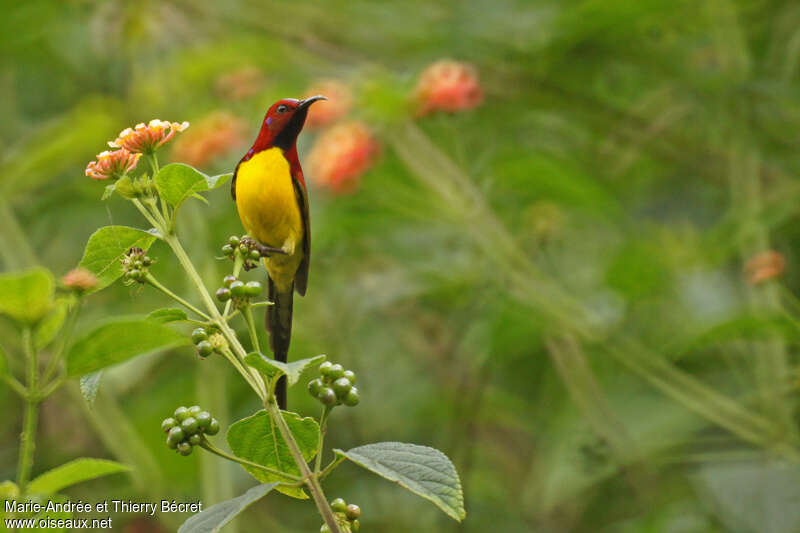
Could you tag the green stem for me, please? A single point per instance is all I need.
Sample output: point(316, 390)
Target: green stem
point(251, 327)
point(146, 214)
point(206, 445)
point(328, 469)
point(323, 428)
point(155, 283)
point(15, 385)
point(237, 268)
point(69, 329)
point(28, 437)
point(309, 477)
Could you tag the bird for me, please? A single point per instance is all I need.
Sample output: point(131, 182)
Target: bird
point(270, 193)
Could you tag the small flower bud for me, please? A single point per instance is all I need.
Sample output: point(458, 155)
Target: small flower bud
point(79, 280)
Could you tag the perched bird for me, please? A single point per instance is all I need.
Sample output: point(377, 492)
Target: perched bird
point(271, 197)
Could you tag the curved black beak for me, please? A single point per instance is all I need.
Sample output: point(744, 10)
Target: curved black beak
point(310, 100)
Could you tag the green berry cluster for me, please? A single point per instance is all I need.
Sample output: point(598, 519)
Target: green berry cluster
point(335, 387)
point(187, 427)
point(240, 291)
point(246, 248)
point(208, 342)
point(346, 514)
point(135, 266)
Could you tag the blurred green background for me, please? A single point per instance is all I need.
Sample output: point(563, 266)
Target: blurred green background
point(550, 287)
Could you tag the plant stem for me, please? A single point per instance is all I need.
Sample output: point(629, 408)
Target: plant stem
point(237, 267)
point(146, 214)
point(323, 428)
point(28, 437)
point(14, 383)
point(328, 469)
point(251, 327)
point(206, 445)
point(155, 283)
point(69, 329)
point(309, 477)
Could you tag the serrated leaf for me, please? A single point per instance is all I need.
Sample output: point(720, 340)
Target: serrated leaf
point(271, 367)
point(256, 439)
point(105, 249)
point(50, 325)
point(118, 341)
point(90, 383)
point(26, 296)
point(167, 315)
point(72, 473)
point(177, 181)
point(215, 517)
point(425, 471)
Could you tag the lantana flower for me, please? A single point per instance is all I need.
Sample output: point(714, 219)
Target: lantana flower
point(448, 85)
point(764, 266)
point(213, 136)
point(338, 104)
point(146, 139)
point(341, 155)
point(79, 280)
point(113, 165)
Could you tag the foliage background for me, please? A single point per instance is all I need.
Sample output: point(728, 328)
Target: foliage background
point(559, 304)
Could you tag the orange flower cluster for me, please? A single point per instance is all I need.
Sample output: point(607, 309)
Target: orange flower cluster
point(338, 104)
point(112, 165)
point(341, 155)
point(146, 139)
point(448, 86)
point(763, 267)
point(79, 279)
point(213, 136)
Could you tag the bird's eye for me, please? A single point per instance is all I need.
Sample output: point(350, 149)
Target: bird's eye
point(282, 108)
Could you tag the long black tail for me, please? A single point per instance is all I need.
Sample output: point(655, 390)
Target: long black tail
point(279, 325)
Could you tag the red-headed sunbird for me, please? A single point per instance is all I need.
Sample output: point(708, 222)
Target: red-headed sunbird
point(270, 194)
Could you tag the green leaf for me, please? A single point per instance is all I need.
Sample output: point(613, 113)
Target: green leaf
point(8, 490)
point(49, 327)
point(3, 362)
point(425, 471)
point(118, 341)
point(215, 517)
point(27, 296)
point(176, 182)
point(271, 367)
point(218, 180)
point(167, 315)
point(72, 473)
point(89, 385)
point(105, 249)
point(256, 439)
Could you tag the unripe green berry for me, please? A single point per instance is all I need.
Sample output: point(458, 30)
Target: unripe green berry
point(181, 413)
point(168, 424)
point(195, 410)
point(227, 280)
point(327, 396)
point(146, 261)
point(204, 348)
point(233, 240)
point(352, 512)
point(189, 426)
point(227, 249)
point(255, 255)
point(352, 398)
point(195, 439)
point(184, 448)
point(324, 529)
point(175, 436)
point(203, 419)
point(253, 288)
point(355, 525)
point(314, 387)
point(223, 294)
point(134, 274)
point(335, 371)
point(350, 375)
point(338, 505)
point(213, 427)
point(238, 288)
point(244, 248)
point(325, 367)
point(199, 334)
point(341, 387)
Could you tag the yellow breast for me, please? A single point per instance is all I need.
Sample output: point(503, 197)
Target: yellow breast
point(265, 198)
